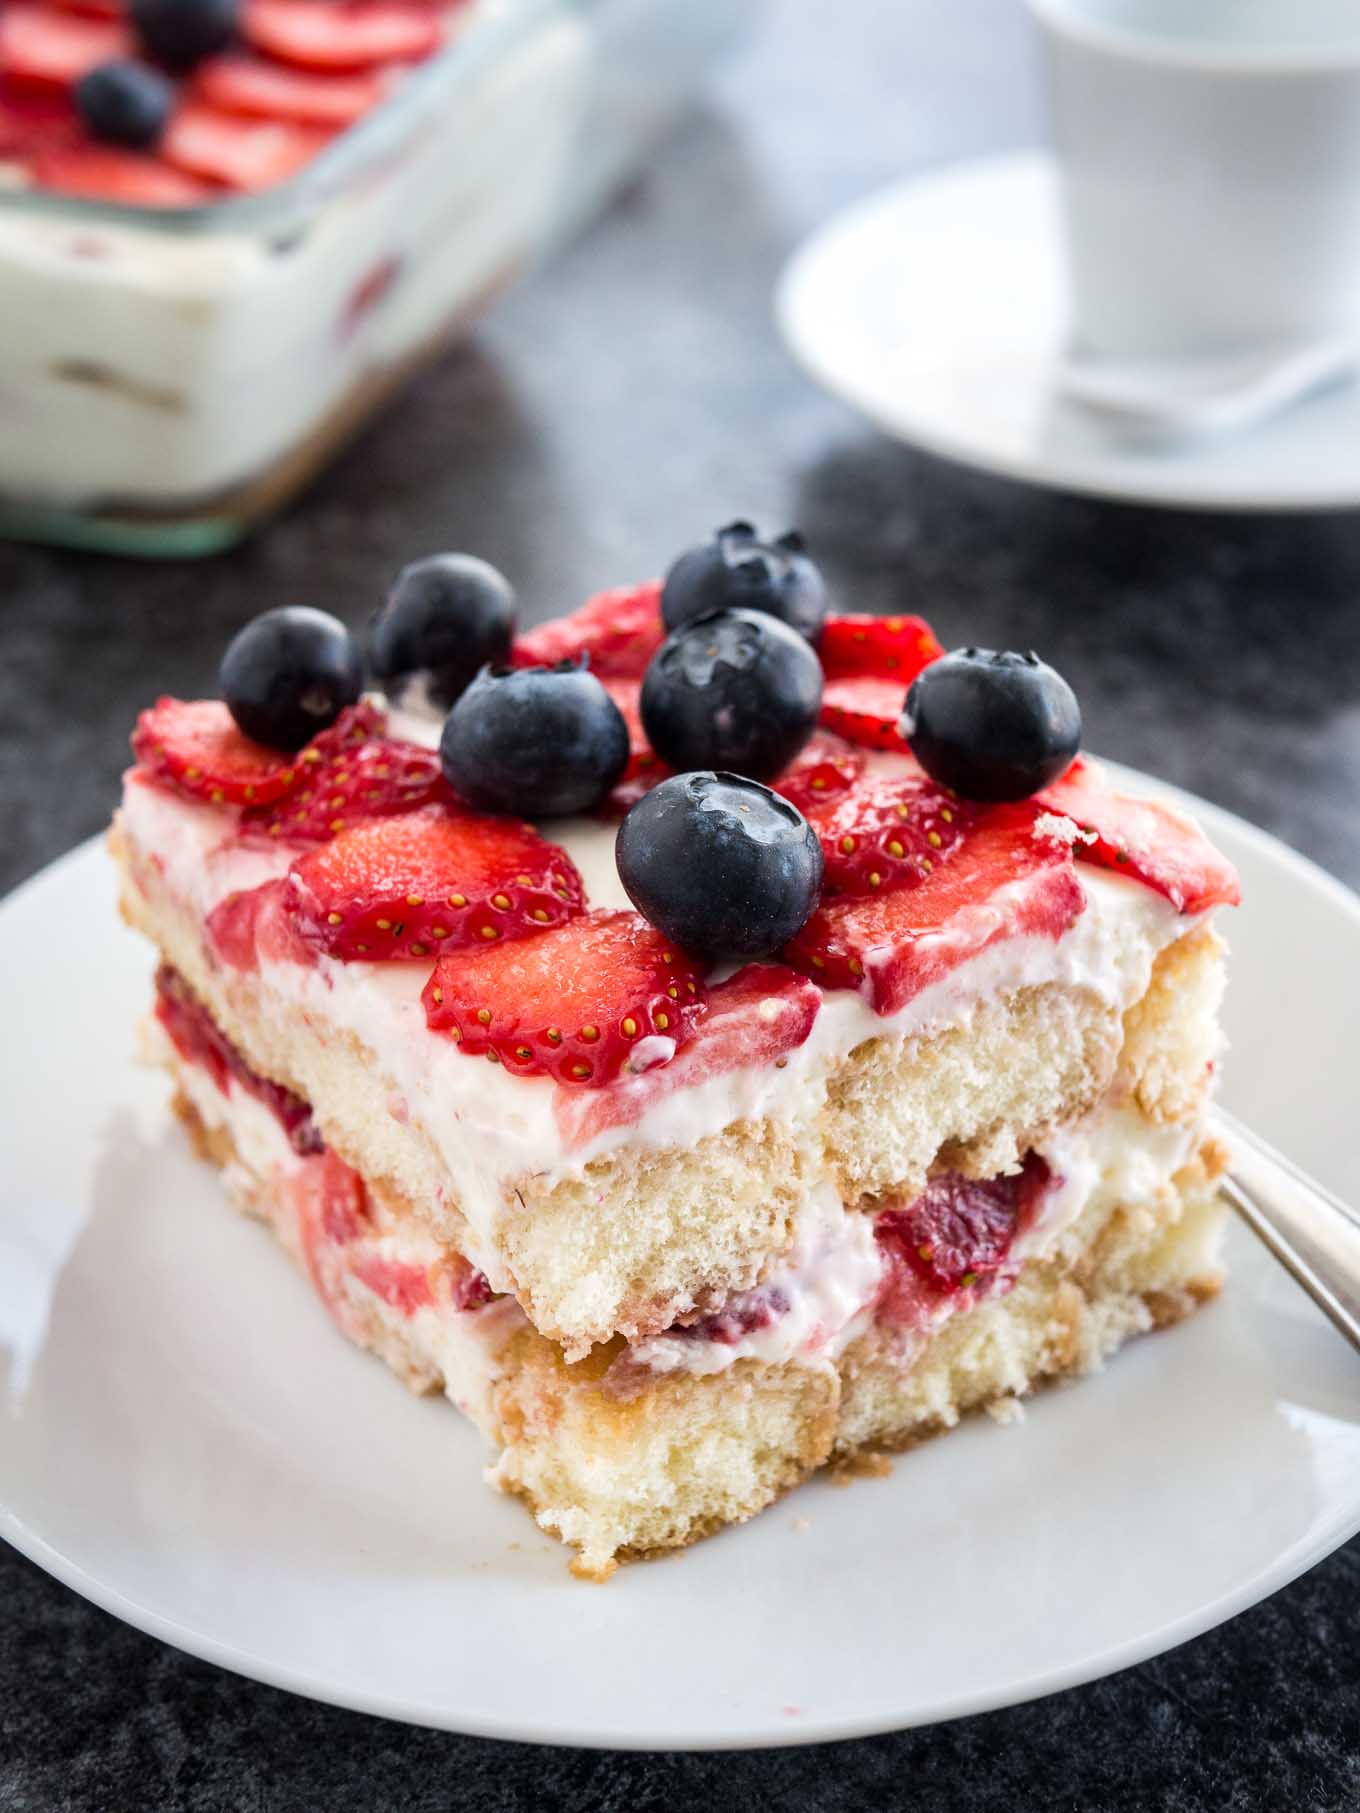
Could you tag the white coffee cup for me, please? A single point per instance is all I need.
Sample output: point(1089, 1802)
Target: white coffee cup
point(1209, 159)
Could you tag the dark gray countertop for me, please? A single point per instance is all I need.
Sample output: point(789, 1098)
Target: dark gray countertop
point(626, 400)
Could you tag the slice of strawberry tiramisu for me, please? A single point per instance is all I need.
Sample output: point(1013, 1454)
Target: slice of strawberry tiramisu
point(706, 1036)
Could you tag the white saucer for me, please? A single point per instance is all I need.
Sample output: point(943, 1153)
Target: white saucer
point(186, 1439)
point(936, 306)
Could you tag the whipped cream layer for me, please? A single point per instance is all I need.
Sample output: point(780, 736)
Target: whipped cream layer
point(491, 1127)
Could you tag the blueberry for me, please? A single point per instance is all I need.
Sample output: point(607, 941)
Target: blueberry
point(735, 690)
point(722, 865)
point(737, 569)
point(124, 103)
point(289, 674)
point(180, 33)
point(992, 726)
point(445, 619)
point(540, 742)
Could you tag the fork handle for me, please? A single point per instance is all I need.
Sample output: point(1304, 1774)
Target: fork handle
point(1314, 1235)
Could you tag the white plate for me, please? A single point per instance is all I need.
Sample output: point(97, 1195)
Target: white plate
point(936, 306)
point(196, 1449)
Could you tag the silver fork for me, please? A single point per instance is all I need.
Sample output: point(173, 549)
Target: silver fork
point(1315, 1237)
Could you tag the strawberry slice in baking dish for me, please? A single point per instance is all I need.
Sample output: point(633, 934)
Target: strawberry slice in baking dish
point(55, 49)
point(238, 152)
point(271, 91)
point(348, 35)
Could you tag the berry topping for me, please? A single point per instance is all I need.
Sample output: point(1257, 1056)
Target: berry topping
point(619, 631)
point(599, 995)
point(352, 36)
point(180, 33)
point(349, 772)
point(55, 49)
point(407, 887)
point(823, 769)
point(1144, 839)
point(893, 648)
point(889, 830)
point(1006, 879)
point(992, 726)
point(546, 741)
point(736, 690)
point(124, 103)
point(736, 569)
point(237, 84)
point(865, 709)
point(194, 747)
point(289, 674)
point(958, 1234)
point(754, 1020)
point(869, 662)
point(242, 153)
point(107, 174)
point(445, 618)
point(719, 864)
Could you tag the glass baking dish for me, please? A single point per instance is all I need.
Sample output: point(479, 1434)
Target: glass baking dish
point(169, 378)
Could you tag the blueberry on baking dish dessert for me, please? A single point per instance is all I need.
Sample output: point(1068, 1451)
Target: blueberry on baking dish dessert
point(737, 570)
point(703, 1055)
point(445, 618)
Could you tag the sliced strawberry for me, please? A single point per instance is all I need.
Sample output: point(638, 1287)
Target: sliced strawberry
point(824, 769)
point(580, 1003)
point(93, 9)
point(346, 774)
point(957, 1235)
point(32, 119)
point(251, 926)
point(400, 888)
point(619, 631)
point(865, 709)
point(199, 1040)
point(194, 747)
point(754, 1020)
point(1144, 839)
point(893, 648)
point(1007, 879)
point(468, 1288)
point(238, 84)
point(106, 173)
point(55, 49)
point(356, 35)
point(645, 767)
point(889, 830)
point(399, 1284)
point(330, 1203)
point(243, 154)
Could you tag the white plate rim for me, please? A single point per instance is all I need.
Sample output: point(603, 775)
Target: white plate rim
point(1339, 1528)
point(806, 266)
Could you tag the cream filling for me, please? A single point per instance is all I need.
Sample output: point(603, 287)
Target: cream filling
point(490, 1127)
point(462, 1347)
point(830, 1277)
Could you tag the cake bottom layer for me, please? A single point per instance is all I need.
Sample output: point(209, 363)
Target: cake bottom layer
point(622, 1462)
